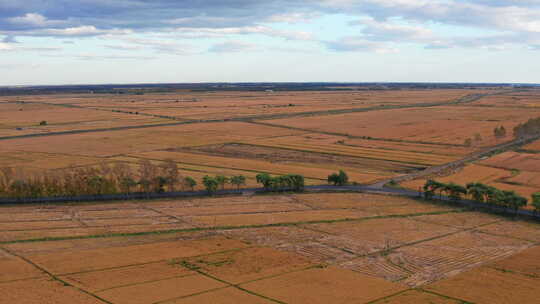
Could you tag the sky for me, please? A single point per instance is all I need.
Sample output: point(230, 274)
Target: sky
point(47, 42)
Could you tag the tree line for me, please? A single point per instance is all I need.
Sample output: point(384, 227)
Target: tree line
point(97, 180)
point(122, 178)
point(480, 193)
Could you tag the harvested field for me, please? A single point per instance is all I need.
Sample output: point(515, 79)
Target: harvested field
point(290, 155)
point(249, 264)
point(27, 117)
point(96, 259)
point(126, 276)
point(226, 105)
point(486, 285)
point(446, 125)
point(36, 291)
point(519, 172)
point(370, 236)
point(230, 295)
point(159, 291)
point(378, 151)
point(274, 218)
point(515, 100)
point(525, 263)
point(461, 220)
point(515, 160)
point(14, 269)
point(416, 296)
point(131, 141)
point(520, 230)
point(249, 165)
point(324, 285)
point(147, 257)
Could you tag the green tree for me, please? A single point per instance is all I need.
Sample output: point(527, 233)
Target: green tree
point(512, 200)
point(454, 191)
point(265, 179)
point(159, 184)
point(210, 183)
point(190, 182)
point(238, 180)
point(338, 179)
point(222, 181)
point(477, 191)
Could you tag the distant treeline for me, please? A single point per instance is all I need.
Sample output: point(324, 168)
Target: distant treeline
point(204, 87)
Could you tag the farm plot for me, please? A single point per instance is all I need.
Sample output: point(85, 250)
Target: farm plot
point(36, 161)
point(273, 218)
point(371, 236)
point(224, 105)
point(25, 118)
point(517, 99)
point(433, 260)
point(416, 296)
point(250, 165)
point(476, 173)
point(35, 291)
point(294, 262)
point(249, 264)
point(360, 168)
point(486, 285)
point(514, 160)
point(324, 285)
point(534, 146)
point(445, 125)
point(512, 171)
point(370, 151)
point(131, 141)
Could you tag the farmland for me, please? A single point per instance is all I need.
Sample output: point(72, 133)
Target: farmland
point(304, 248)
point(52, 132)
point(321, 246)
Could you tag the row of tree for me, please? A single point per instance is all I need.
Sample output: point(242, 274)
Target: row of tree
point(294, 182)
point(103, 179)
point(478, 192)
point(212, 184)
point(122, 178)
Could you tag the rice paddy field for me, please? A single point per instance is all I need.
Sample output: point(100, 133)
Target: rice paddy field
point(218, 132)
point(272, 248)
point(304, 248)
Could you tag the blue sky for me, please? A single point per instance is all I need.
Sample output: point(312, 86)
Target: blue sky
point(142, 41)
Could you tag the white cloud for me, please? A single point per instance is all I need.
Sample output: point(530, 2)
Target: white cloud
point(232, 47)
point(226, 31)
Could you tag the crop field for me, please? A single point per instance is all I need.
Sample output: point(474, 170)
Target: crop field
point(313, 133)
point(449, 125)
point(514, 171)
point(321, 246)
point(303, 248)
point(226, 105)
point(514, 100)
point(25, 118)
